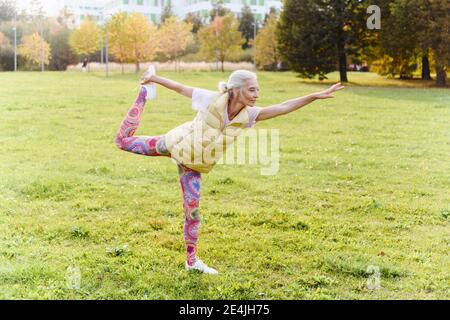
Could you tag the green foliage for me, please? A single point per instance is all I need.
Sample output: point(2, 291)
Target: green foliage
point(315, 36)
point(218, 10)
point(62, 54)
point(246, 25)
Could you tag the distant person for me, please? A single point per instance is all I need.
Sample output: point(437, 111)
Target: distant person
point(196, 146)
point(84, 65)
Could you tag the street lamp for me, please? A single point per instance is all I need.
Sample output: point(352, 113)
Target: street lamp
point(42, 48)
point(15, 42)
point(106, 46)
point(254, 37)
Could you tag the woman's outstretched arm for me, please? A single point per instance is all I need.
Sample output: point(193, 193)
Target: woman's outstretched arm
point(294, 104)
point(172, 85)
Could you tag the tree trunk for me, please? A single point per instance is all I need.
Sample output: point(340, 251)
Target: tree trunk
point(342, 57)
point(221, 61)
point(138, 67)
point(440, 76)
point(425, 67)
point(122, 68)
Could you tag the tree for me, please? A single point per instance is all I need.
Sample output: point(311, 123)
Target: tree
point(7, 10)
point(267, 44)
point(62, 54)
point(166, 13)
point(86, 39)
point(246, 25)
point(195, 20)
point(415, 29)
point(175, 36)
point(36, 11)
point(439, 37)
point(399, 46)
point(218, 10)
point(272, 11)
point(118, 36)
point(143, 39)
point(221, 37)
point(31, 48)
point(4, 42)
point(317, 35)
point(6, 54)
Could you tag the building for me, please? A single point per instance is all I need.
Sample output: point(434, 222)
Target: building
point(152, 9)
point(82, 9)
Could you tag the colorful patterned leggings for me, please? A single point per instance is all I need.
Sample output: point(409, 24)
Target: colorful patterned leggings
point(155, 146)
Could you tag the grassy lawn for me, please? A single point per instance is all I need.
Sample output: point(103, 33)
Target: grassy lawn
point(364, 180)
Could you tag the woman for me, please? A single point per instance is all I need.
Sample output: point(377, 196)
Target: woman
point(197, 145)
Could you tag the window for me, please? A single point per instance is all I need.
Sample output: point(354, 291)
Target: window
point(155, 3)
point(125, 1)
point(261, 2)
point(253, 2)
point(140, 2)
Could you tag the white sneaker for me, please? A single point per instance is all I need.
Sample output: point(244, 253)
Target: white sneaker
point(150, 87)
point(200, 266)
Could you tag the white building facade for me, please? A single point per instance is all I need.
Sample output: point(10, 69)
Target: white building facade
point(82, 9)
point(152, 9)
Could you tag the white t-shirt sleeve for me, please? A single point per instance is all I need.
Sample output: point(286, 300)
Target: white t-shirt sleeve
point(201, 99)
point(253, 113)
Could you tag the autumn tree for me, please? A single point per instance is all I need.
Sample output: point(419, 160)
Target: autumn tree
point(175, 36)
point(267, 45)
point(118, 37)
point(32, 47)
point(143, 39)
point(86, 39)
point(221, 37)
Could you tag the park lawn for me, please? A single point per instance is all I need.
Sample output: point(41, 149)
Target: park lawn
point(363, 184)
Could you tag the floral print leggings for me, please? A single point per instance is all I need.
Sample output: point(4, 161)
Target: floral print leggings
point(155, 146)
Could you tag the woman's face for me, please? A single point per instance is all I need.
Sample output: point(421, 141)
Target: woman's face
point(250, 93)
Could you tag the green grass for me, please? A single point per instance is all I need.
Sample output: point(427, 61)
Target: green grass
point(364, 180)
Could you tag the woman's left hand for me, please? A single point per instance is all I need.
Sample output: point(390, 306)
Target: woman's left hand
point(328, 93)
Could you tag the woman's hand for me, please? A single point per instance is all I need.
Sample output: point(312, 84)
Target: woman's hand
point(328, 93)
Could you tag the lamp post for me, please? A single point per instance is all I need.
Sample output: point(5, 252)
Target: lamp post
point(106, 45)
point(106, 50)
point(42, 48)
point(254, 37)
point(15, 42)
point(101, 50)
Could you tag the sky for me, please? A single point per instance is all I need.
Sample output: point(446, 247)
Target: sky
point(51, 7)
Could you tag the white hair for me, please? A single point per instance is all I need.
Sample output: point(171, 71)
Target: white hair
point(236, 80)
